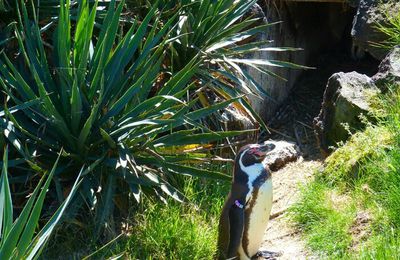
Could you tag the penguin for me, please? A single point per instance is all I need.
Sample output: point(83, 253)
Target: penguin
point(246, 211)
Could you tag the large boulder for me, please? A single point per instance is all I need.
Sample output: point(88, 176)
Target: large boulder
point(364, 31)
point(389, 70)
point(345, 99)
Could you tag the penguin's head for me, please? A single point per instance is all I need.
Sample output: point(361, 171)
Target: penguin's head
point(254, 153)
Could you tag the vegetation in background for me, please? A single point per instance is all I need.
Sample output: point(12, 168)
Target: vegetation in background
point(108, 101)
point(222, 34)
point(133, 99)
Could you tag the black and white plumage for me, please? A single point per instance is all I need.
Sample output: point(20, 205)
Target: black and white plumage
point(245, 214)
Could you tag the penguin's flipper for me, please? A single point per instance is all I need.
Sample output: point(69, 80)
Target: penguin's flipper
point(236, 224)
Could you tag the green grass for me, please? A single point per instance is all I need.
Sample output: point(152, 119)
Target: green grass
point(345, 163)
point(323, 219)
point(391, 29)
point(361, 177)
point(384, 246)
point(155, 230)
point(178, 231)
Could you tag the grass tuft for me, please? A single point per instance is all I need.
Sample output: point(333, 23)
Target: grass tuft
point(392, 28)
point(310, 210)
point(382, 246)
point(325, 217)
point(175, 230)
point(346, 163)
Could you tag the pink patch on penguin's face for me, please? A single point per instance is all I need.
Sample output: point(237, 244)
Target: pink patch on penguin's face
point(256, 152)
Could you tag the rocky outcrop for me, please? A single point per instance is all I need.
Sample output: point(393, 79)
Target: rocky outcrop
point(345, 99)
point(347, 96)
point(364, 31)
point(389, 70)
point(283, 153)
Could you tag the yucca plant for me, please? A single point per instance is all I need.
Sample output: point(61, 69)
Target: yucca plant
point(46, 9)
point(103, 94)
point(222, 34)
point(17, 237)
point(47, 15)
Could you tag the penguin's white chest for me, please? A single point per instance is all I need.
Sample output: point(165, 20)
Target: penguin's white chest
point(258, 209)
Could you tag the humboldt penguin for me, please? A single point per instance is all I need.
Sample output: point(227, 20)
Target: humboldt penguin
point(246, 211)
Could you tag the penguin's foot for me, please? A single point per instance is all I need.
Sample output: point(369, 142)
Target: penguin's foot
point(267, 255)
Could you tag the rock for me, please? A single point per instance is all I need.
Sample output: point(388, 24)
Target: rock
point(283, 153)
point(364, 32)
point(345, 99)
point(389, 70)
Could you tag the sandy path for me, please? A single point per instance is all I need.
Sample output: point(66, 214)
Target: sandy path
point(280, 236)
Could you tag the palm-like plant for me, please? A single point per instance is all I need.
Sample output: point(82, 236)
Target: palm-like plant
point(17, 238)
point(108, 100)
point(222, 34)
